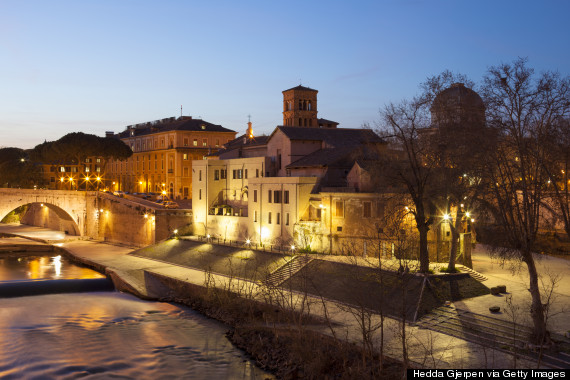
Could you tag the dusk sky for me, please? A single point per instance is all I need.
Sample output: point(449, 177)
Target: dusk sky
point(97, 66)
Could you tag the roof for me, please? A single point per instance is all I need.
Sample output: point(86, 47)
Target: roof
point(343, 156)
point(302, 88)
point(325, 121)
point(340, 157)
point(336, 137)
point(457, 95)
point(242, 142)
point(183, 123)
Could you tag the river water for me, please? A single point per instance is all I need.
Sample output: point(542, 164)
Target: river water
point(103, 335)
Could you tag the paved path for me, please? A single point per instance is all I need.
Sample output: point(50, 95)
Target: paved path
point(425, 347)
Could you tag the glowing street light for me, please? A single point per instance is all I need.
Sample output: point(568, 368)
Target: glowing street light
point(467, 213)
point(292, 247)
point(446, 217)
point(248, 242)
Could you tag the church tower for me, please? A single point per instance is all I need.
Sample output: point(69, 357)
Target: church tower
point(300, 107)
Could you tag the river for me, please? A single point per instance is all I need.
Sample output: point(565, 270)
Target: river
point(101, 335)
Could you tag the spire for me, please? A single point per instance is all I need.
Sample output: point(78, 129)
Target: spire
point(249, 133)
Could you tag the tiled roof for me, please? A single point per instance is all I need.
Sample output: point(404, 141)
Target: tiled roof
point(173, 124)
point(336, 137)
point(340, 157)
point(299, 87)
point(325, 121)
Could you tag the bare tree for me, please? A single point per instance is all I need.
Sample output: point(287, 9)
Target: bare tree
point(523, 111)
point(458, 141)
point(408, 165)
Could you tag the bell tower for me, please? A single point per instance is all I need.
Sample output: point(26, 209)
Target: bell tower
point(300, 107)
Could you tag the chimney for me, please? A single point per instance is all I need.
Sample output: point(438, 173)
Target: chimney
point(109, 134)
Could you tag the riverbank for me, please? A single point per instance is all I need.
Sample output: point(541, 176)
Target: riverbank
point(142, 276)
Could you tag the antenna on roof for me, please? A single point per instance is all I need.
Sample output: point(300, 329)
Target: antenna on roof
point(248, 118)
point(181, 110)
point(300, 82)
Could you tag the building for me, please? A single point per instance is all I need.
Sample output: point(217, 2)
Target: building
point(266, 189)
point(163, 154)
point(71, 175)
point(311, 185)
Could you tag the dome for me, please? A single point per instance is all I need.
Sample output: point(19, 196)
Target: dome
point(458, 103)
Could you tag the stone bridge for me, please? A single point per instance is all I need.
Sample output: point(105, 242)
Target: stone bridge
point(95, 215)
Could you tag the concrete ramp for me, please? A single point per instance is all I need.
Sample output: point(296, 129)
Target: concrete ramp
point(39, 287)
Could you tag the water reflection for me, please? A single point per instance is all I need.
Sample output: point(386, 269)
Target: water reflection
point(104, 335)
point(41, 266)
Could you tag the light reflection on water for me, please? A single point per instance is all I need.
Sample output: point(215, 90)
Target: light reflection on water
point(104, 335)
point(41, 266)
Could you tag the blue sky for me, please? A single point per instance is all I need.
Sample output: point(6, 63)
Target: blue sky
point(97, 66)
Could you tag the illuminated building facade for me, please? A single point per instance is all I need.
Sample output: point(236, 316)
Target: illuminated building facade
point(87, 175)
point(163, 151)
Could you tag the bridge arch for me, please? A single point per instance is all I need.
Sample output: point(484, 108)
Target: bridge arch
point(60, 210)
point(49, 216)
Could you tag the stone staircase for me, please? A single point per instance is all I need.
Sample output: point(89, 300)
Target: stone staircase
point(287, 270)
point(499, 334)
point(476, 275)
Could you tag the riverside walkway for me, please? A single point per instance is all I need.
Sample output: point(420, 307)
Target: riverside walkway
point(425, 347)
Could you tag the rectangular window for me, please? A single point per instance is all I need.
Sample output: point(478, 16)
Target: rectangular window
point(186, 172)
point(234, 174)
point(366, 209)
point(245, 173)
point(287, 219)
point(98, 160)
point(255, 216)
point(240, 173)
point(278, 219)
point(269, 196)
point(162, 143)
point(74, 169)
point(199, 175)
point(87, 168)
point(185, 141)
point(195, 142)
point(200, 194)
point(98, 169)
point(286, 197)
point(185, 156)
point(277, 196)
point(204, 142)
point(87, 160)
point(256, 173)
point(339, 212)
point(269, 217)
point(185, 193)
point(255, 195)
point(62, 169)
point(216, 175)
point(224, 173)
point(217, 143)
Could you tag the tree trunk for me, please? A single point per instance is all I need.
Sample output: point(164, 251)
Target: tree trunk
point(540, 334)
point(424, 254)
point(454, 241)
